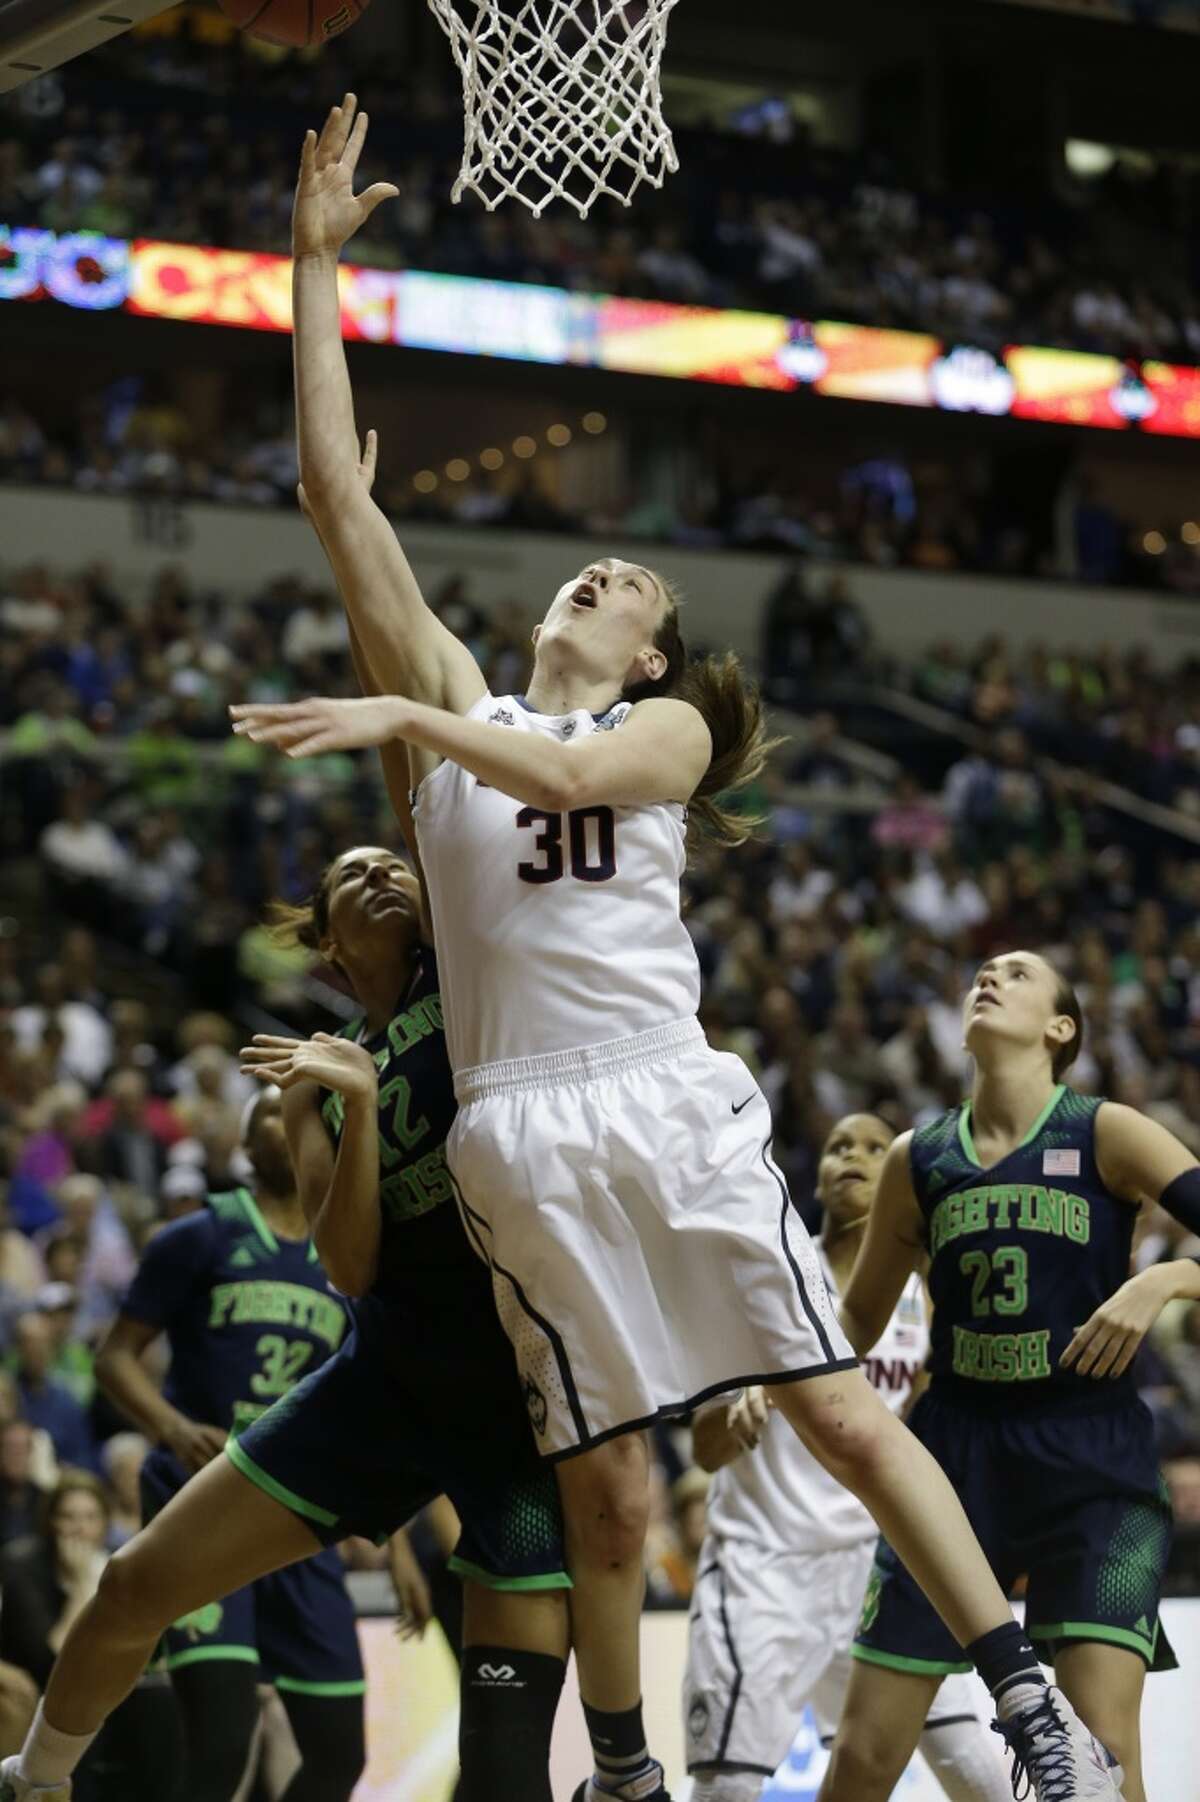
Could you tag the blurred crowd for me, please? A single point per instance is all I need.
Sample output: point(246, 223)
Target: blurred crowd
point(885, 509)
point(140, 842)
point(152, 141)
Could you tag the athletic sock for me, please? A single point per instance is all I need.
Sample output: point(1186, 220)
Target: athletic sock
point(624, 1767)
point(509, 1700)
point(49, 1756)
point(1008, 1664)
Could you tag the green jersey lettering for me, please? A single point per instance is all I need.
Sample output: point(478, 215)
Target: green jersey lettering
point(264, 1303)
point(402, 1134)
point(1001, 1357)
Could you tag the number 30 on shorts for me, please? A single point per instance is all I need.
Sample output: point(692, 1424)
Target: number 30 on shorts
point(591, 845)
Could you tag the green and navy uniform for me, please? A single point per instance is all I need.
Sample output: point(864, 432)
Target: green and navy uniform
point(1057, 1472)
point(246, 1314)
point(423, 1399)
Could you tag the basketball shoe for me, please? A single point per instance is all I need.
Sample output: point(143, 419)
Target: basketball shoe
point(1054, 1753)
point(15, 1789)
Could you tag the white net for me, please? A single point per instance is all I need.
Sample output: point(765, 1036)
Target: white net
point(561, 97)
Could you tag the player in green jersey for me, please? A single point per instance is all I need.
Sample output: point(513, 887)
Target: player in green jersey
point(1025, 1199)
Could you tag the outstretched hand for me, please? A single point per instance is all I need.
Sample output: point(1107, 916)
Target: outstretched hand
point(335, 1063)
point(308, 728)
point(326, 210)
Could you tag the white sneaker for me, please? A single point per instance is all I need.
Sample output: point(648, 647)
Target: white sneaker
point(15, 1789)
point(1059, 1759)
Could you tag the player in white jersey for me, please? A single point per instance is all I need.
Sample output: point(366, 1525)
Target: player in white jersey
point(614, 1170)
point(785, 1562)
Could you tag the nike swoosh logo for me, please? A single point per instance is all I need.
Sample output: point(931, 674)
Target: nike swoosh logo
point(738, 1106)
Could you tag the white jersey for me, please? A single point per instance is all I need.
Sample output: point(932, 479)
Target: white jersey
point(554, 932)
point(778, 1495)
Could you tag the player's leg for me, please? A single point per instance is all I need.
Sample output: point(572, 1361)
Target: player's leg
point(882, 1717)
point(759, 1632)
point(308, 1641)
point(606, 1509)
point(959, 1749)
point(515, 1645)
point(178, 1563)
point(1104, 1684)
point(859, 1441)
point(218, 1700)
point(331, 1738)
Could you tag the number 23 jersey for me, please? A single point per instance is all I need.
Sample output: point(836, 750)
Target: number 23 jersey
point(554, 930)
point(246, 1314)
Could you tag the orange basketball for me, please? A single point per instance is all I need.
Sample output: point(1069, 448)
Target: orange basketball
point(297, 23)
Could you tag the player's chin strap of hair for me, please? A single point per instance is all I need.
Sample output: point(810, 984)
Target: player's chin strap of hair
point(1181, 1199)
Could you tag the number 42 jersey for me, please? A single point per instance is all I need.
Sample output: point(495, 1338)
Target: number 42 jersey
point(246, 1314)
point(579, 909)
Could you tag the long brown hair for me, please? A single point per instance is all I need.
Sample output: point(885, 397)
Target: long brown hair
point(307, 922)
point(730, 706)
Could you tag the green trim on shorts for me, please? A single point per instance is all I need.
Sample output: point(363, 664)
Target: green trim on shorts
point(352, 1686)
point(919, 1667)
point(242, 1461)
point(1101, 1632)
point(475, 1573)
point(205, 1654)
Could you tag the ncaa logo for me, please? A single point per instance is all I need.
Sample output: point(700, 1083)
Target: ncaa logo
point(535, 1401)
point(501, 717)
point(568, 728)
point(697, 1716)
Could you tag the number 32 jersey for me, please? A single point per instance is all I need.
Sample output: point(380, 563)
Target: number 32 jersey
point(246, 1315)
point(555, 931)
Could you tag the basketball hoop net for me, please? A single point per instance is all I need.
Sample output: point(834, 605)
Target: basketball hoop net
point(561, 97)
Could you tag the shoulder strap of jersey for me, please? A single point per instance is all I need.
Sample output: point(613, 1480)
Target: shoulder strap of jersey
point(936, 1157)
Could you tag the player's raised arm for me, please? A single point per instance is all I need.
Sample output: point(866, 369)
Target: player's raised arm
point(406, 647)
point(891, 1247)
point(660, 753)
point(339, 1189)
point(393, 757)
point(1141, 1162)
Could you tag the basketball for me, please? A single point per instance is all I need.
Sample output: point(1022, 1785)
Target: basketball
point(297, 23)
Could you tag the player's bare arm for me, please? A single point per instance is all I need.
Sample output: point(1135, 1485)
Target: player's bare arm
point(406, 647)
point(1141, 1162)
point(127, 1383)
point(339, 1191)
point(393, 757)
point(660, 752)
point(891, 1248)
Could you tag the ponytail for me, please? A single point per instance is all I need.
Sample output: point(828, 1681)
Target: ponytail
point(305, 924)
point(730, 706)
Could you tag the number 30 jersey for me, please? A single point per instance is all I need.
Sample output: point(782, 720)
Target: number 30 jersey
point(555, 931)
point(246, 1314)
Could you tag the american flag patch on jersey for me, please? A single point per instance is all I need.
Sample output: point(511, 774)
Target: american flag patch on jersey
point(1060, 1163)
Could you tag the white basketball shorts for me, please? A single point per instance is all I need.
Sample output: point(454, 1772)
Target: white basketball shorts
point(768, 1633)
point(644, 1251)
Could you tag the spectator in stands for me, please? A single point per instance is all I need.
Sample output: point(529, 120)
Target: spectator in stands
point(123, 1457)
point(87, 1037)
point(44, 1400)
point(20, 1496)
point(108, 1263)
point(131, 1143)
point(84, 855)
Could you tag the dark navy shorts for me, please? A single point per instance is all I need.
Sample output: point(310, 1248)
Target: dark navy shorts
point(362, 1445)
point(1073, 1501)
point(297, 1626)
